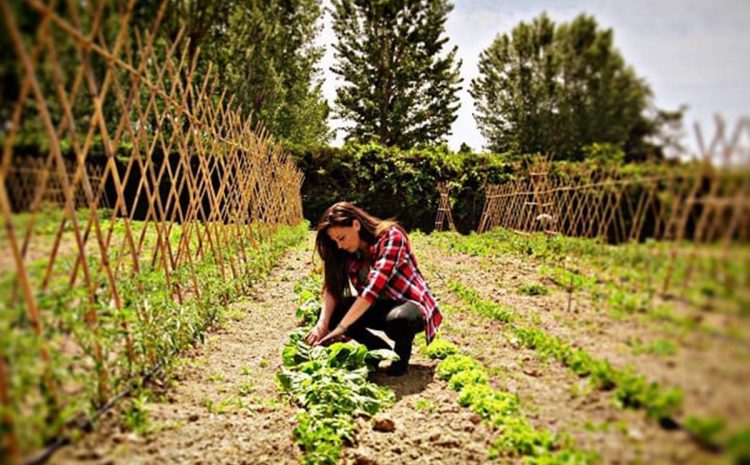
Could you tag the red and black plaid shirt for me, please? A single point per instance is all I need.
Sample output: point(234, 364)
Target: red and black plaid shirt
point(395, 275)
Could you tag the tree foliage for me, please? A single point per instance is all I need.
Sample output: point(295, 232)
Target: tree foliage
point(373, 175)
point(263, 51)
point(265, 54)
point(556, 89)
point(399, 86)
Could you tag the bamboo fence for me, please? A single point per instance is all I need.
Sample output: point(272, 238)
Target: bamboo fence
point(699, 206)
point(175, 157)
point(444, 214)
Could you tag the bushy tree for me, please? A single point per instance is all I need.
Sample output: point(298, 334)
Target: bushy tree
point(272, 67)
point(263, 51)
point(556, 89)
point(400, 87)
point(372, 176)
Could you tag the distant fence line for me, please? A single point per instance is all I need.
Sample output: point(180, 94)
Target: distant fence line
point(31, 184)
point(699, 207)
point(175, 152)
point(704, 201)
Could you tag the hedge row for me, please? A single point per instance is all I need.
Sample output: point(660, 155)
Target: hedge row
point(390, 182)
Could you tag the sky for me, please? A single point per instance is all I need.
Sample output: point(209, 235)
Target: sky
point(692, 52)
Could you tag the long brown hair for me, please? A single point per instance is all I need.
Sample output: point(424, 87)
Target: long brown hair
point(343, 214)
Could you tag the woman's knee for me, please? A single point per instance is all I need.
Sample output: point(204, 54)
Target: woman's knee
point(404, 319)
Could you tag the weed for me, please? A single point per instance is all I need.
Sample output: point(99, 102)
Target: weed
point(246, 388)
point(659, 347)
point(532, 289)
point(705, 430)
point(216, 377)
point(424, 405)
point(136, 415)
point(224, 405)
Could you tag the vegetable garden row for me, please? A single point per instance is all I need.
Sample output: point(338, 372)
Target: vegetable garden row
point(330, 384)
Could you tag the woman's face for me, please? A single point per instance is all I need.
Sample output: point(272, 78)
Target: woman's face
point(345, 237)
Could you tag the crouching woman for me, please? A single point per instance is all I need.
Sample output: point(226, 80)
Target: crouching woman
point(374, 257)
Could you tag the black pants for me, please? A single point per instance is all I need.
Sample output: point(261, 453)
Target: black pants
point(400, 321)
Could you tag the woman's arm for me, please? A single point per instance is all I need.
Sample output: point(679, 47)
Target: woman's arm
point(324, 320)
point(359, 307)
point(326, 310)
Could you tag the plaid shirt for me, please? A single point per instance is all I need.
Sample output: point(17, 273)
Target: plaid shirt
point(394, 275)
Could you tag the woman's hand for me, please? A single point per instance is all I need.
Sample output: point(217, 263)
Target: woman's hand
point(315, 334)
point(333, 336)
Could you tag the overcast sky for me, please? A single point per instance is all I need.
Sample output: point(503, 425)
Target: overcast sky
point(693, 52)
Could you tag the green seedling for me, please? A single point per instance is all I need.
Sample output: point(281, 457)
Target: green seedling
point(533, 289)
point(440, 349)
point(425, 405)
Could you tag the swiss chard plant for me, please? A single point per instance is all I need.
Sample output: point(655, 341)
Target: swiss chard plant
point(330, 386)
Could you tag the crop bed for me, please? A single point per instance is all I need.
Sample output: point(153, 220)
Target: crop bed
point(525, 370)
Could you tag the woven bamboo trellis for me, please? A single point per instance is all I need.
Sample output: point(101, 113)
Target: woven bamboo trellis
point(704, 202)
point(444, 208)
point(178, 157)
point(30, 183)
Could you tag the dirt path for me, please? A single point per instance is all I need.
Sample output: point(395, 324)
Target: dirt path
point(430, 427)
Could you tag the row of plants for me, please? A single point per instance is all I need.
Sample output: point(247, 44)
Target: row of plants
point(118, 349)
point(328, 384)
point(501, 411)
point(630, 389)
point(626, 278)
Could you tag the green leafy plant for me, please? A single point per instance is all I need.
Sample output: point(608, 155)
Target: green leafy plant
point(330, 385)
point(440, 349)
point(425, 405)
point(149, 329)
point(705, 430)
point(532, 289)
point(468, 377)
point(136, 415)
point(631, 389)
point(516, 436)
point(738, 446)
point(454, 364)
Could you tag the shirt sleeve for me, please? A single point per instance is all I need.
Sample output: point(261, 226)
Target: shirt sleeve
point(391, 251)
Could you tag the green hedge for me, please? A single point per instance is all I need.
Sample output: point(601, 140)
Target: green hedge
point(390, 182)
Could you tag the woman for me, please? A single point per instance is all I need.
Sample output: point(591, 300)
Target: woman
point(391, 295)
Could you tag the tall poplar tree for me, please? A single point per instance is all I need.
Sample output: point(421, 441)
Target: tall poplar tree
point(400, 85)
